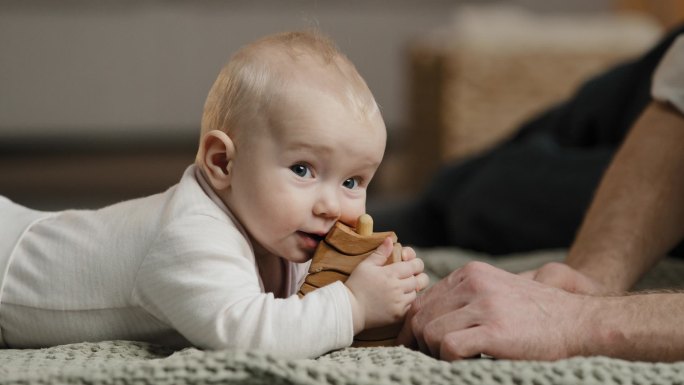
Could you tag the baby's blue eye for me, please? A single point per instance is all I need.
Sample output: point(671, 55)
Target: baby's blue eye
point(351, 183)
point(301, 170)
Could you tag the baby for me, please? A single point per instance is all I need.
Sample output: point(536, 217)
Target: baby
point(291, 137)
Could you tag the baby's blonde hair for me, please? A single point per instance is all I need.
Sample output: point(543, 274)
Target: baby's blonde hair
point(247, 83)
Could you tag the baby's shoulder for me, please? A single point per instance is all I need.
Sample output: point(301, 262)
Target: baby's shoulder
point(203, 234)
point(202, 227)
point(198, 243)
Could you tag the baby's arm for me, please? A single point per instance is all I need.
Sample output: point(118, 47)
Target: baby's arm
point(381, 295)
point(201, 281)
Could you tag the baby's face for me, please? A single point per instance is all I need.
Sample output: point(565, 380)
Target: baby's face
point(303, 167)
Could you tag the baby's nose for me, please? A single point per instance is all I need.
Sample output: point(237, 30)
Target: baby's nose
point(327, 205)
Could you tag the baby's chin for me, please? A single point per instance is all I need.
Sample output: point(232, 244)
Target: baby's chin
point(293, 250)
point(301, 257)
point(294, 254)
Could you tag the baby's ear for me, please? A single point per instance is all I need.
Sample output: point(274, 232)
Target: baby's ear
point(215, 158)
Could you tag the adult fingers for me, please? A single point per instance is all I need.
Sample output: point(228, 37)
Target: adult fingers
point(461, 344)
point(435, 331)
point(439, 299)
point(553, 274)
point(472, 270)
point(529, 274)
point(431, 311)
point(454, 292)
point(562, 276)
point(405, 336)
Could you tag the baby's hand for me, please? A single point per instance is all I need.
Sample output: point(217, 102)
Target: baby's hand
point(382, 295)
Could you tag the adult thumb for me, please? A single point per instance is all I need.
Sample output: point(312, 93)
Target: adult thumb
point(380, 255)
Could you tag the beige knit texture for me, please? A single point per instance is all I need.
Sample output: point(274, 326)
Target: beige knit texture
point(124, 362)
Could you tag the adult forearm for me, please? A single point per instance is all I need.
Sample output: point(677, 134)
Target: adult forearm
point(638, 212)
point(643, 327)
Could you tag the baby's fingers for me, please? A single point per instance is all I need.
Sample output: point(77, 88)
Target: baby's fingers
point(406, 269)
point(380, 255)
point(409, 284)
point(423, 281)
point(407, 253)
point(408, 299)
point(415, 283)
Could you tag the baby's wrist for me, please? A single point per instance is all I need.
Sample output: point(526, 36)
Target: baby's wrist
point(358, 312)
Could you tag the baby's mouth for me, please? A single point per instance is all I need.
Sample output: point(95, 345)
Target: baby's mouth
point(316, 237)
point(311, 240)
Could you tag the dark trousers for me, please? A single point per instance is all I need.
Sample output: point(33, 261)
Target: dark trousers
point(532, 191)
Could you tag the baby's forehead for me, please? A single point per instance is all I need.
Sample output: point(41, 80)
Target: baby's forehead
point(321, 121)
point(306, 69)
point(321, 133)
point(308, 88)
point(324, 103)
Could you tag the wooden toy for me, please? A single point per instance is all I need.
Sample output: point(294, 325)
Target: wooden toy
point(337, 256)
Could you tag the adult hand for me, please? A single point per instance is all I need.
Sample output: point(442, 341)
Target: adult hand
point(480, 309)
point(564, 277)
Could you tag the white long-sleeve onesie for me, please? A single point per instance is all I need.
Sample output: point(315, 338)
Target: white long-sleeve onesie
point(173, 268)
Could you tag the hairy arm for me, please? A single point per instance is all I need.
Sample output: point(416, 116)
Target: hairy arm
point(637, 215)
point(480, 309)
point(635, 218)
point(640, 327)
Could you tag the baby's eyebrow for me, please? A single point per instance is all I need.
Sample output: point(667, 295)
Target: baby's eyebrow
point(308, 146)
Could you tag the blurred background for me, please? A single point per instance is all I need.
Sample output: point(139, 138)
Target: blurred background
point(101, 100)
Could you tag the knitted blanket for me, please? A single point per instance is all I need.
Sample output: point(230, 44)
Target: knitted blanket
point(125, 362)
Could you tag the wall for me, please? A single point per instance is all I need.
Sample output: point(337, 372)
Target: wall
point(123, 65)
point(76, 66)
point(100, 100)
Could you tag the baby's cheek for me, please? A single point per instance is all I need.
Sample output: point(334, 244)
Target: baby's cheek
point(352, 212)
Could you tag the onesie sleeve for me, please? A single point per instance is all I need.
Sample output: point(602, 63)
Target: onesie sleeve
point(668, 79)
point(202, 280)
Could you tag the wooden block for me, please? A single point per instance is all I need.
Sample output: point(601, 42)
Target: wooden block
point(364, 225)
point(345, 240)
point(327, 258)
point(396, 254)
point(325, 278)
point(305, 289)
point(338, 255)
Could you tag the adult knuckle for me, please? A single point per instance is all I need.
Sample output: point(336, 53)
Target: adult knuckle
point(489, 305)
point(450, 347)
point(417, 305)
point(431, 334)
point(474, 284)
point(554, 267)
point(475, 268)
point(417, 326)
